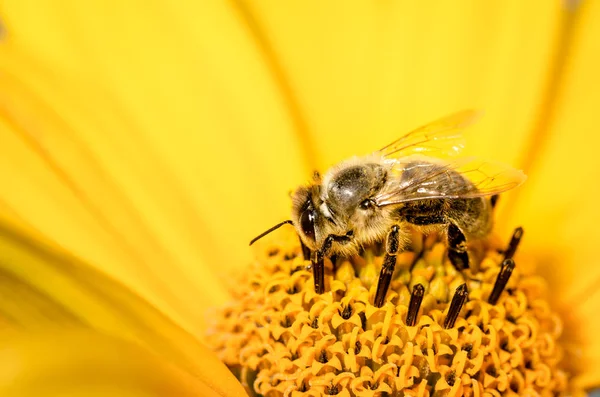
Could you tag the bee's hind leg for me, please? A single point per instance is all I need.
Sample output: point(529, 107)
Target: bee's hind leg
point(494, 200)
point(457, 248)
point(392, 245)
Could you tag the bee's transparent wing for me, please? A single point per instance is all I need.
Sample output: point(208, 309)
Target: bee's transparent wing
point(440, 138)
point(419, 178)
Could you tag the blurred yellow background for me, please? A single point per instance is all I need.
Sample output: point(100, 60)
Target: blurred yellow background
point(151, 140)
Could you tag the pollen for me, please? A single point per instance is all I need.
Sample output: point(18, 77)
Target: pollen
point(440, 332)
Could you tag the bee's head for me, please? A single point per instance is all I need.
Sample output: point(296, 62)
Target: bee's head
point(315, 222)
point(306, 218)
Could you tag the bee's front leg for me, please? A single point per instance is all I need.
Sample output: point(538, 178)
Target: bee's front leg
point(318, 264)
point(392, 245)
point(318, 269)
point(318, 257)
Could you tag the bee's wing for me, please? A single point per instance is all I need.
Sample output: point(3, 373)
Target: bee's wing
point(419, 178)
point(438, 139)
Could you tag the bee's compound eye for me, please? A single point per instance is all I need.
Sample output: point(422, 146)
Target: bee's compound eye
point(307, 223)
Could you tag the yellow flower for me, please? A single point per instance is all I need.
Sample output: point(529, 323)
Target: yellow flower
point(143, 144)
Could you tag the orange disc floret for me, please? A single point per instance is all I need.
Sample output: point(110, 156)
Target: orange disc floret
point(441, 332)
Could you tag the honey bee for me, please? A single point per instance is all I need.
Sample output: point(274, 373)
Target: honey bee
point(381, 196)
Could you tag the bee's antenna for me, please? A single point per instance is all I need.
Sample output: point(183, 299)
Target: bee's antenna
point(263, 234)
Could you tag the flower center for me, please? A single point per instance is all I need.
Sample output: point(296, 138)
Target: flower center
point(440, 331)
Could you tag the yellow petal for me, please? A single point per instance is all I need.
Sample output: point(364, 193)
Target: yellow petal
point(558, 206)
point(366, 72)
point(44, 287)
point(358, 71)
point(76, 362)
point(164, 136)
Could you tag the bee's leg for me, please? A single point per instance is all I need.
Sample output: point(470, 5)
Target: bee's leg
point(319, 266)
point(494, 200)
point(318, 272)
point(457, 248)
point(514, 243)
point(392, 245)
point(508, 265)
point(319, 256)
